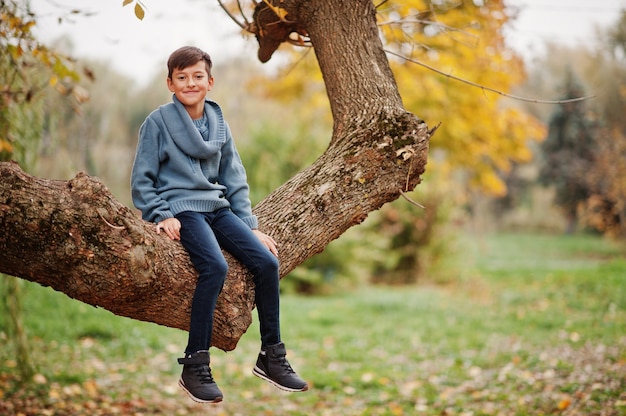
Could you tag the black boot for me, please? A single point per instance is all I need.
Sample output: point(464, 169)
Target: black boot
point(272, 365)
point(197, 380)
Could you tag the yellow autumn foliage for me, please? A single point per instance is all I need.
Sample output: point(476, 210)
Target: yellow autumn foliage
point(27, 68)
point(481, 133)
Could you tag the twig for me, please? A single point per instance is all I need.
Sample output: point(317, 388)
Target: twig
point(117, 227)
point(405, 196)
point(242, 13)
point(241, 25)
point(380, 4)
point(484, 88)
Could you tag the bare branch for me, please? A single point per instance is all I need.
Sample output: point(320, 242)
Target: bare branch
point(241, 25)
point(484, 88)
point(242, 13)
point(402, 21)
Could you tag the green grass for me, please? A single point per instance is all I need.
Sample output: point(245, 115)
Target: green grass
point(533, 325)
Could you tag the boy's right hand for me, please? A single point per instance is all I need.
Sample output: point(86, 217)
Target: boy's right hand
point(171, 227)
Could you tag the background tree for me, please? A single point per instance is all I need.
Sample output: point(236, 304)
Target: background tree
point(568, 152)
point(599, 68)
point(605, 210)
point(27, 69)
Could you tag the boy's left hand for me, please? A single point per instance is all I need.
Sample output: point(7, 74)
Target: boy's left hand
point(267, 241)
point(171, 227)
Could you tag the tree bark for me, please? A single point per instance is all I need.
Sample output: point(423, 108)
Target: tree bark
point(75, 237)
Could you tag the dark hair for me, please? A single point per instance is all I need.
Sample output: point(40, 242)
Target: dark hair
point(187, 56)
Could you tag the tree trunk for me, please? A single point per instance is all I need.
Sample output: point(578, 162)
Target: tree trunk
point(378, 149)
point(75, 237)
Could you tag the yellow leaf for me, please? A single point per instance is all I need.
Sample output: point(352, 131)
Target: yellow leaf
point(126, 2)
point(54, 394)
point(6, 146)
point(280, 12)
point(564, 403)
point(91, 387)
point(139, 12)
point(384, 381)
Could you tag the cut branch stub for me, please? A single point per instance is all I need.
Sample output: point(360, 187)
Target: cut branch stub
point(272, 26)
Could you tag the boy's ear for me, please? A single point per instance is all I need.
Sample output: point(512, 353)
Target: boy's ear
point(169, 84)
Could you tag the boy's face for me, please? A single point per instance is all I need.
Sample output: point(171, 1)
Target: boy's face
point(191, 85)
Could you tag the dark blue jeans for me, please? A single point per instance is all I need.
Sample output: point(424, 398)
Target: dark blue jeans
point(204, 234)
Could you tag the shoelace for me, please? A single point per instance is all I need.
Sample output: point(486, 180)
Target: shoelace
point(285, 364)
point(203, 372)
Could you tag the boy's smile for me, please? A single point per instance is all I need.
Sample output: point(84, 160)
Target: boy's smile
point(191, 85)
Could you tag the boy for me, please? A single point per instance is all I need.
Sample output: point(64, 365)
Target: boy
point(188, 178)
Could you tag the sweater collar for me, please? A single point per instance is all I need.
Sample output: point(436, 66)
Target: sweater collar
point(186, 135)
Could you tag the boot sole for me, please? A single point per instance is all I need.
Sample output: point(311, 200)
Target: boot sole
point(197, 399)
point(261, 374)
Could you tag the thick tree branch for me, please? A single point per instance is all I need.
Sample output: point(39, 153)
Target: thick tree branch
point(76, 238)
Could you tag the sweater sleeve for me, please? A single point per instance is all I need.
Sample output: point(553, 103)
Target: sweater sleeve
point(144, 175)
point(233, 176)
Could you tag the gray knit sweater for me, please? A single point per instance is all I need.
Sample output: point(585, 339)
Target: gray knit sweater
point(176, 170)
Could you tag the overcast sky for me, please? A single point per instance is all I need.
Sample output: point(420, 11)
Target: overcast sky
point(139, 49)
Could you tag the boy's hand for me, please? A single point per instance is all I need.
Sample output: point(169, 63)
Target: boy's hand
point(171, 227)
point(267, 241)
